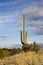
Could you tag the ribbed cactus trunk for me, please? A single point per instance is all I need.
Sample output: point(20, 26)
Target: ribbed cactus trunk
point(23, 33)
point(24, 30)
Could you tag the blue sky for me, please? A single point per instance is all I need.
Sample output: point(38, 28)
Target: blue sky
point(11, 21)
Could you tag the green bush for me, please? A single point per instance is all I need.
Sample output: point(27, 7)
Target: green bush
point(4, 53)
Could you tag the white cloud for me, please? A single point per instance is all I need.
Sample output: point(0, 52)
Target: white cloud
point(33, 10)
point(36, 23)
point(34, 18)
point(9, 17)
point(34, 13)
point(37, 28)
point(6, 36)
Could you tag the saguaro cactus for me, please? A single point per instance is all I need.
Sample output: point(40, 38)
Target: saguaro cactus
point(23, 33)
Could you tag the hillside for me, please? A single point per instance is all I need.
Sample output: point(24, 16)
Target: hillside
point(24, 58)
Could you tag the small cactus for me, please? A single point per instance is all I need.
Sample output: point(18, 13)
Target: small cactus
point(36, 48)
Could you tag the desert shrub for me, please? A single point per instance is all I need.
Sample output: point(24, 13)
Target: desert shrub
point(19, 50)
point(13, 51)
point(9, 52)
point(4, 53)
point(25, 49)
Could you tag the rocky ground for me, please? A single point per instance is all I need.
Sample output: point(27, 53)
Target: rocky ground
point(28, 58)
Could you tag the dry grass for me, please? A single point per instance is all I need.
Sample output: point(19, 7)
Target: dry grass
point(28, 58)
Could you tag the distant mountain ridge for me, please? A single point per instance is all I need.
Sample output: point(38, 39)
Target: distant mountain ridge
point(20, 46)
point(40, 45)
